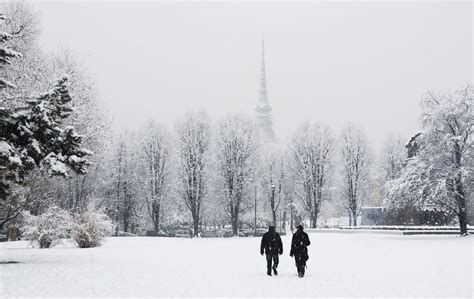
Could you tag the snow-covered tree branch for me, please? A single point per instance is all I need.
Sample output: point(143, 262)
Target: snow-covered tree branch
point(236, 153)
point(312, 152)
point(193, 141)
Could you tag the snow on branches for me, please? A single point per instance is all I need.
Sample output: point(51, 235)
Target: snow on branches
point(47, 230)
point(312, 153)
point(236, 147)
point(194, 135)
point(90, 228)
point(355, 170)
point(6, 55)
point(87, 229)
point(32, 136)
point(156, 150)
point(439, 174)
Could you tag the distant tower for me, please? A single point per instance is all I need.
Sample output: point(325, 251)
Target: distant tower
point(263, 109)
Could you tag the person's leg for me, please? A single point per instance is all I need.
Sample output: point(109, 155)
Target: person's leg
point(297, 263)
point(269, 264)
point(301, 264)
point(275, 264)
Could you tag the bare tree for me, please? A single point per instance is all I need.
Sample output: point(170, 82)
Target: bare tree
point(355, 170)
point(194, 138)
point(125, 182)
point(272, 173)
point(312, 154)
point(156, 156)
point(23, 22)
point(392, 158)
point(236, 165)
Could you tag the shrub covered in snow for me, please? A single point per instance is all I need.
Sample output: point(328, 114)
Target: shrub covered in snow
point(47, 229)
point(90, 228)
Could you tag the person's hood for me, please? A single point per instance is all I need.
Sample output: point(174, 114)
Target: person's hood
point(271, 229)
point(300, 227)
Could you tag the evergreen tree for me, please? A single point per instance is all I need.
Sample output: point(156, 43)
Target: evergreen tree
point(33, 135)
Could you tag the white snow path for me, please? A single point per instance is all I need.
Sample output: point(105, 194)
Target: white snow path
point(347, 265)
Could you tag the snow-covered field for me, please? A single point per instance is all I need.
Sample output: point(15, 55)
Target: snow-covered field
point(339, 265)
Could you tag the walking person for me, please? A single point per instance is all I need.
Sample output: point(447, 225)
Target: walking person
point(272, 246)
point(299, 249)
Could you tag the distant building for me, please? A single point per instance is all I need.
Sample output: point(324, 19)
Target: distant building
point(263, 110)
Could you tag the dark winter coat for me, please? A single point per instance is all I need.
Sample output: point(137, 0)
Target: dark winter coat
point(271, 243)
point(299, 245)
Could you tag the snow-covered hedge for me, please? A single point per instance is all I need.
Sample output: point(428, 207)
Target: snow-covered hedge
point(47, 229)
point(90, 228)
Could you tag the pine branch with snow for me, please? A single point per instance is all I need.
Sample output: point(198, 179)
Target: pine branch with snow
point(33, 136)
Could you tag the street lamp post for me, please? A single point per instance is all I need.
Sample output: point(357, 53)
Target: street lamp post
point(255, 218)
point(280, 220)
point(291, 213)
point(273, 205)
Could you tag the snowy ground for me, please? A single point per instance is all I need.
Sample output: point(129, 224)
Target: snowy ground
point(339, 265)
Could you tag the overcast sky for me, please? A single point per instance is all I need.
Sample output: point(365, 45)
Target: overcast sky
point(365, 63)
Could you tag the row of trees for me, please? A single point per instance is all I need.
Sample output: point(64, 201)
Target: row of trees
point(318, 165)
point(215, 169)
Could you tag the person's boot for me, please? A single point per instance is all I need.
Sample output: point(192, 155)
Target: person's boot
point(299, 270)
point(275, 270)
point(302, 271)
point(269, 273)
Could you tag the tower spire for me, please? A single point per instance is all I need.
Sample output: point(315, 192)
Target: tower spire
point(263, 109)
point(263, 79)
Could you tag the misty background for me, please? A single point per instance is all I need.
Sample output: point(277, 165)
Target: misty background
point(365, 63)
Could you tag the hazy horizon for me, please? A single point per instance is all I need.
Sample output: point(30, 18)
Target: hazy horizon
point(363, 63)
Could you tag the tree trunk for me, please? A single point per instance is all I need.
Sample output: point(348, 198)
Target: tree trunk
point(156, 218)
point(155, 227)
point(354, 218)
point(461, 200)
point(314, 220)
point(350, 218)
point(234, 226)
point(125, 225)
point(235, 222)
point(462, 216)
point(195, 224)
point(459, 193)
point(196, 228)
